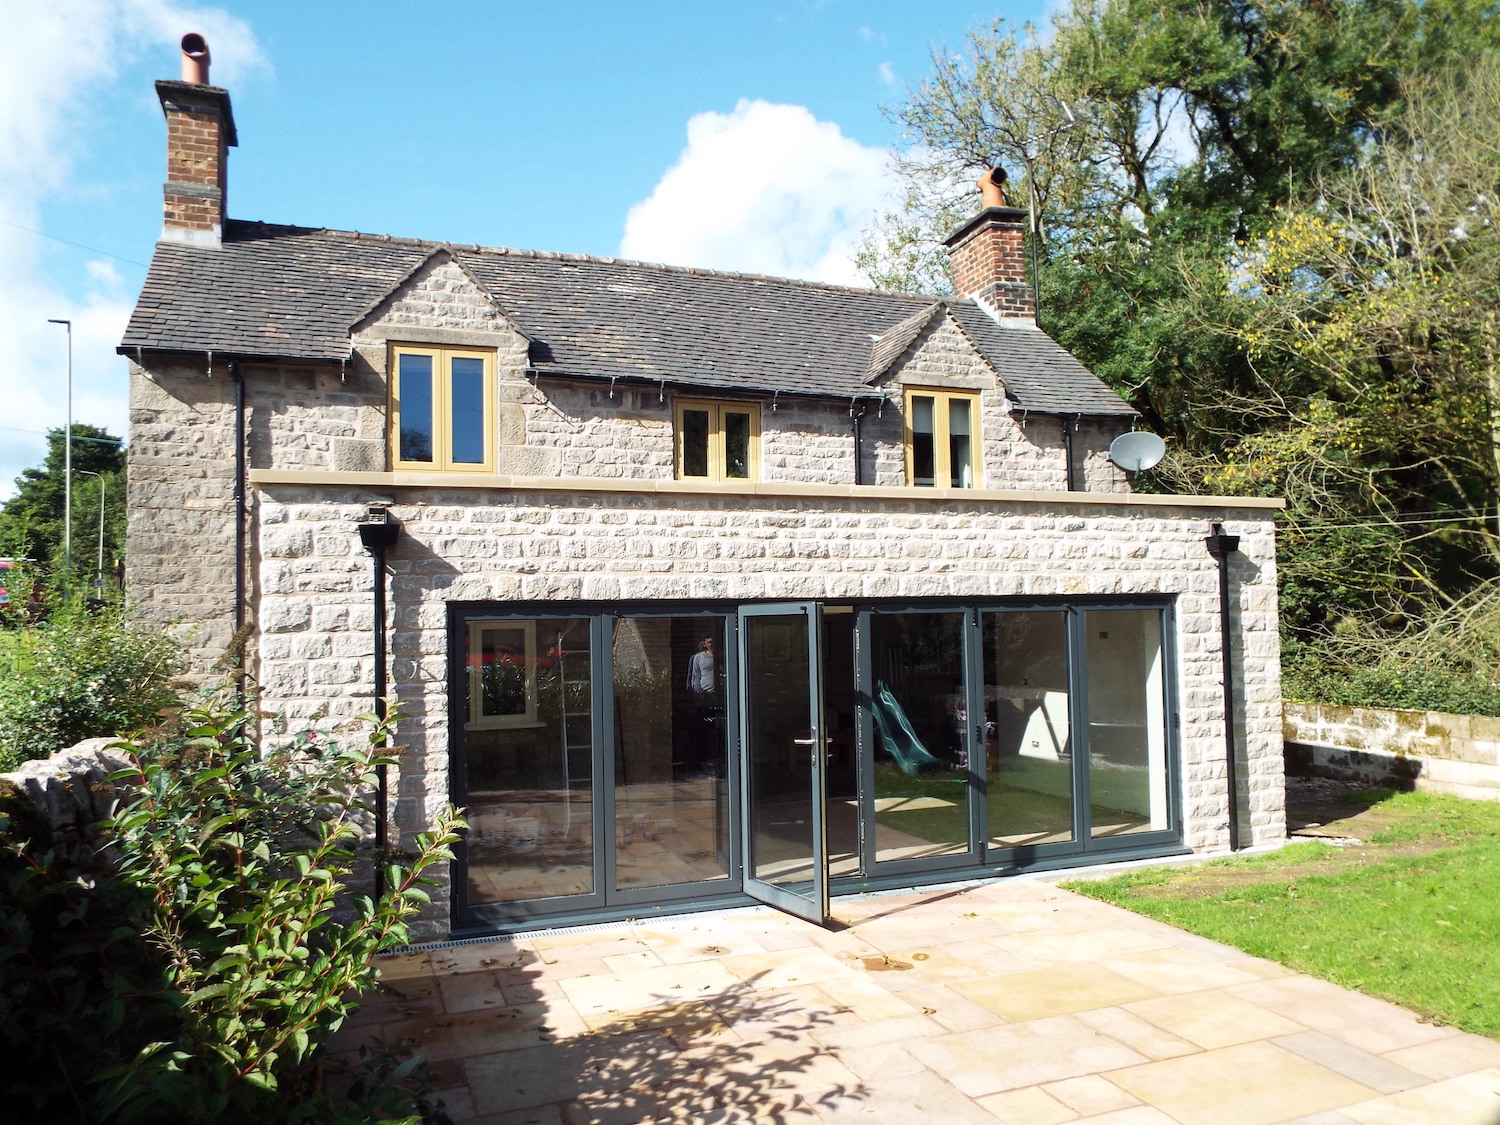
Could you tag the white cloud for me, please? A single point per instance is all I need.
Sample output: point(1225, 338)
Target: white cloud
point(887, 73)
point(56, 62)
point(765, 189)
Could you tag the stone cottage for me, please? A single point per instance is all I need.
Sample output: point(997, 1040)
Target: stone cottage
point(694, 587)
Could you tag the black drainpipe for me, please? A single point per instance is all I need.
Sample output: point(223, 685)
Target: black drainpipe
point(1221, 546)
point(1068, 429)
point(856, 421)
point(379, 531)
point(239, 518)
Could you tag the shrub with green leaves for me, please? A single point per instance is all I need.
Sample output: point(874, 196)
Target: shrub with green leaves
point(80, 673)
point(190, 967)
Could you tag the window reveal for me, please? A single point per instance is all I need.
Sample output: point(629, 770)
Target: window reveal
point(442, 409)
point(941, 428)
point(718, 441)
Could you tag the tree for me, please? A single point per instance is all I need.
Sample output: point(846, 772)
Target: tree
point(31, 521)
point(1164, 145)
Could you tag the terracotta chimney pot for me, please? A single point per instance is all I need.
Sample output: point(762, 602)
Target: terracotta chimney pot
point(195, 59)
point(992, 187)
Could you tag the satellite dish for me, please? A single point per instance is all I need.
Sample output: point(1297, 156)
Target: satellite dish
point(1136, 451)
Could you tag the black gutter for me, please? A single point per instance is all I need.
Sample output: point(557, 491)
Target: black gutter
point(1068, 429)
point(856, 423)
point(379, 531)
point(1221, 546)
point(240, 514)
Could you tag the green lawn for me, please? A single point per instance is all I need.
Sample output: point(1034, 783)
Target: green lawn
point(1412, 915)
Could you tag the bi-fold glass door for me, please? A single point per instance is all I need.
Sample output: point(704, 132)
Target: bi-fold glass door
point(1076, 730)
point(784, 749)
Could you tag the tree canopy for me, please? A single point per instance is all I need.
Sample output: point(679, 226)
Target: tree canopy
point(1271, 227)
point(31, 521)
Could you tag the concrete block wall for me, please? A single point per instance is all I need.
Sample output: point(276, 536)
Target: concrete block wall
point(474, 545)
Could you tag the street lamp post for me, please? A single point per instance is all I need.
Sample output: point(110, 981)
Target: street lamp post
point(68, 462)
point(99, 567)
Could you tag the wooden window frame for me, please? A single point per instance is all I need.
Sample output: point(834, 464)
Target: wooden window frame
point(942, 468)
point(478, 720)
point(717, 457)
point(442, 394)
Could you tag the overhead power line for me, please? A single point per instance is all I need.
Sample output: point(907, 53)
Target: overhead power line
point(79, 245)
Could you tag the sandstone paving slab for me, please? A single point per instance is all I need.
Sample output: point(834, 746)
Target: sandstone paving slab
point(1213, 1018)
point(774, 1069)
point(1176, 970)
point(952, 1011)
point(1362, 1021)
point(1262, 1083)
point(1471, 1099)
point(787, 970)
point(561, 1072)
point(993, 1060)
point(1081, 943)
point(465, 992)
point(1447, 1058)
point(1138, 1115)
point(1090, 1095)
point(907, 1098)
point(1367, 1069)
point(1056, 991)
point(536, 1115)
point(648, 988)
point(924, 1009)
point(880, 1061)
point(702, 942)
point(461, 1034)
point(1030, 1105)
point(1138, 1034)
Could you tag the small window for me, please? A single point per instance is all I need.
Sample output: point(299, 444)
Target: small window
point(502, 674)
point(442, 409)
point(941, 439)
point(718, 441)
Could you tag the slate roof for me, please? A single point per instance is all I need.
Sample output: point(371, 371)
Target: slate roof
point(294, 293)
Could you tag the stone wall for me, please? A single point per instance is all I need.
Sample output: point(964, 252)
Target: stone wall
point(1426, 750)
point(180, 494)
point(477, 545)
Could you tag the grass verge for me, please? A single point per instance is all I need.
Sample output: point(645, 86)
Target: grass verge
point(1411, 914)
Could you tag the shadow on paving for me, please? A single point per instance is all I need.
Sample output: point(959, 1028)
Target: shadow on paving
point(727, 1053)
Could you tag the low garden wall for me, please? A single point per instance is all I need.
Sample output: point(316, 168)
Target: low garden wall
point(1427, 750)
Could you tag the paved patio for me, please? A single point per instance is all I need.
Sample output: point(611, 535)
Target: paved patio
point(1013, 1001)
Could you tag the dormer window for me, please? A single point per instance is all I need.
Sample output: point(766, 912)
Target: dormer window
point(942, 439)
point(718, 441)
point(442, 409)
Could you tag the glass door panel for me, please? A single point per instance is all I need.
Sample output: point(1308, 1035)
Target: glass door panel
point(671, 751)
point(786, 861)
point(1028, 744)
point(919, 714)
point(1127, 735)
point(529, 785)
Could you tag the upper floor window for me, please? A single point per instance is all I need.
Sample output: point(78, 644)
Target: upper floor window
point(942, 438)
point(442, 409)
point(718, 441)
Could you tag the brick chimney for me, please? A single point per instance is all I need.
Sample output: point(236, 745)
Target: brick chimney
point(200, 131)
point(988, 253)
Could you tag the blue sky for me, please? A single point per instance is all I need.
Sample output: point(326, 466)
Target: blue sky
point(738, 136)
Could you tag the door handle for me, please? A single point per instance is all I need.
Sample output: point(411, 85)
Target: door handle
point(803, 741)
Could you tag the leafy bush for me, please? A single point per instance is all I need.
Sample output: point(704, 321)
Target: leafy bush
point(1392, 683)
point(189, 968)
point(81, 673)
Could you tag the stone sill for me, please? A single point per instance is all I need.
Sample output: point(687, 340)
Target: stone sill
point(479, 482)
